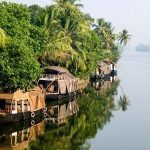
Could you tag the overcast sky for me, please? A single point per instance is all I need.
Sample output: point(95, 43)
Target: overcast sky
point(133, 15)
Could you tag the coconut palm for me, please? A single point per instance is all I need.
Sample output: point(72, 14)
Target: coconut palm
point(105, 31)
point(3, 38)
point(67, 30)
point(124, 37)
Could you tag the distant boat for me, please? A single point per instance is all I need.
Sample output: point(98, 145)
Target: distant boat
point(18, 106)
point(58, 82)
point(105, 69)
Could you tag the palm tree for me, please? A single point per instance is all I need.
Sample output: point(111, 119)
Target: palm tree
point(105, 31)
point(123, 37)
point(67, 28)
point(3, 38)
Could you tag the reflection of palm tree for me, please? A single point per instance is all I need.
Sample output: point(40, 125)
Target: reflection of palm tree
point(123, 102)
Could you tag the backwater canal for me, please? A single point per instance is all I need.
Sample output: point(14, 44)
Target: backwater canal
point(109, 114)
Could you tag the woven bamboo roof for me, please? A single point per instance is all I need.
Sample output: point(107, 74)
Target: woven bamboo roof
point(59, 69)
point(18, 95)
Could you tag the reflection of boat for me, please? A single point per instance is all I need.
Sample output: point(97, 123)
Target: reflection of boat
point(104, 83)
point(19, 106)
point(58, 112)
point(58, 82)
point(20, 139)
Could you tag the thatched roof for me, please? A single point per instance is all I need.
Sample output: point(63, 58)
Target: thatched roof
point(58, 70)
point(106, 62)
point(18, 95)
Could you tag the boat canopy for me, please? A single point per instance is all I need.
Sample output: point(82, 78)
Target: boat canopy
point(57, 70)
point(18, 95)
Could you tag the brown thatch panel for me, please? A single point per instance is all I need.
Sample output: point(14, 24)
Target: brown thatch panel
point(62, 86)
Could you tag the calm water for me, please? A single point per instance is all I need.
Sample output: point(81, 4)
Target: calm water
point(95, 120)
point(131, 129)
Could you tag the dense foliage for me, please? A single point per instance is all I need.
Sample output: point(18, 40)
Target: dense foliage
point(61, 34)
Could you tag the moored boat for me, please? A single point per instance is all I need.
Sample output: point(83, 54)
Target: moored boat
point(58, 82)
point(18, 106)
point(104, 69)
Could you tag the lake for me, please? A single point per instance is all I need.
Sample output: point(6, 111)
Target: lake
point(97, 119)
point(130, 129)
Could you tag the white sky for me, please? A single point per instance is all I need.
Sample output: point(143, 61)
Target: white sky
point(132, 15)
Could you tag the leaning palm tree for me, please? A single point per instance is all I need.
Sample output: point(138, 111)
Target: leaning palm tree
point(3, 38)
point(123, 37)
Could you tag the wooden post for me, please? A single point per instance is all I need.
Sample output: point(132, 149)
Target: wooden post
point(22, 102)
point(28, 106)
point(16, 106)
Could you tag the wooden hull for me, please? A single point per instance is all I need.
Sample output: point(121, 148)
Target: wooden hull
point(11, 118)
point(60, 96)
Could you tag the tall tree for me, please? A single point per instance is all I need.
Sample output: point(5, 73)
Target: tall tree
point(105, 32)
point(67, 29)
point(19, 67)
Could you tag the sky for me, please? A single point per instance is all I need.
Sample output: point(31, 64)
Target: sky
point(132, 15)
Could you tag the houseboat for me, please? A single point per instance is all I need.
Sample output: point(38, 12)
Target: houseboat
point(18, 106)
point(105, 69)
point(58, 82)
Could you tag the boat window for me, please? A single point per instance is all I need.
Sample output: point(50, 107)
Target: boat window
point(14, 139)
point(53, 88)
point(14, 107)
point(19, 106)
point(25, 134)
point(19, 135)
point(26, 106)
point(44, 83)
point(5, 106)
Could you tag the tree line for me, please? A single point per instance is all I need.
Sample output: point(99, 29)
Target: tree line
point(32, 37)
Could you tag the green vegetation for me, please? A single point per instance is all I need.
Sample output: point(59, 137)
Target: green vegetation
point(61, 34)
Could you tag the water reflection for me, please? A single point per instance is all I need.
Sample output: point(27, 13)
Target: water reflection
point(59, 111)
point(104, 83)
point(70, 123)
point(123, 102)
point(95, 111)
point(19, 135)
